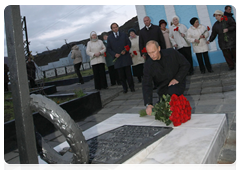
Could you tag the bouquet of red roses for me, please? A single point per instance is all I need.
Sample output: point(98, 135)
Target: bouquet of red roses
point(126, 48)
point(224, 19)
point(171, 109)
point(144, 51)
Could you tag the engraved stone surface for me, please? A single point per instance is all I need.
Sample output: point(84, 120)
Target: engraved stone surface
point(120, 144)
point(61, 71)
point(70, 69)
point(86, 65)
point(50, 73)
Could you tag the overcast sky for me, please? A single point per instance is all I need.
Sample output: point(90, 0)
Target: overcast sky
point(49, 25)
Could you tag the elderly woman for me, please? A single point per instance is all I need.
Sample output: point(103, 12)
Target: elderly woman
point(197, 35)
point(95, 49)
point(177, 35)
point(225, 28)
point(137, 59)
point(165, 31)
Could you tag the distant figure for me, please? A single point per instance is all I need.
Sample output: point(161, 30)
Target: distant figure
point(225, 28)
point(113, 73)
point(6, 79)
point(167, 68)
point(95, 49)
point(228, 12)
point(117, 41)
point(165, 31)
point(199, 42)
point(177, 36)
point(31, 69)
point(137, 59)
point(77, 56)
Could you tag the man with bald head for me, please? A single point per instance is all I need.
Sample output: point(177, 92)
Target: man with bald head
point(167, 68)
point(150, 32)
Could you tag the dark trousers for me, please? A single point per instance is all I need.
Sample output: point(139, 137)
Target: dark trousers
point(230, 56)
point(77, 71)
point(187, 53)
point(113, 74)
point(206, 60)
point(99, 76)
point(32, 83)
point(125, 74)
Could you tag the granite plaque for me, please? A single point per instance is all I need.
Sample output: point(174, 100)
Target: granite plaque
point(61, 71)
point(70, 69)
point(50, 73)
point(118, 145)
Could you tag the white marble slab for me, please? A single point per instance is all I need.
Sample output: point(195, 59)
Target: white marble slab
point(197, 141)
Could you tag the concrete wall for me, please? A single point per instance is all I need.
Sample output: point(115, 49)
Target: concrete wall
point(185, 13)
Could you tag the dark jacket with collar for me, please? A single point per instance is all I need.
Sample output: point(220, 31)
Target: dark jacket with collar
point(154, 33)
point(229, 15)
point(175, 66)
point(217, 29)
point(116, 46)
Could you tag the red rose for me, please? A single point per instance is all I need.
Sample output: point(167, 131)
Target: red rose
point(176, 29)
point(127, 47)
point(208, 28)
point(225, 18)
point(174, 97)
point(135, 52)
point(105, 54)
point(144, 50)
point(222, 19)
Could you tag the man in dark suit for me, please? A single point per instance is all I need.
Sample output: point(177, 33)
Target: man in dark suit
point(167, 68)
point(117, 41)
point(150, 32)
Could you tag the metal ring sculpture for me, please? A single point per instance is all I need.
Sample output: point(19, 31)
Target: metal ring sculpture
point(63, 122)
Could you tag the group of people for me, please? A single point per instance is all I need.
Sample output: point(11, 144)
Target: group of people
point(160, 57)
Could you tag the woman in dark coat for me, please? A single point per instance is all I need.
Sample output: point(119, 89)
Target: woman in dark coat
point(225, 28)
point(31, 72)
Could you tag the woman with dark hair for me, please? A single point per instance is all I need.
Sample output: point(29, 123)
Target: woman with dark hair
point(197, 35)
point(225, 28)
point(137, 59)
point(165, 31)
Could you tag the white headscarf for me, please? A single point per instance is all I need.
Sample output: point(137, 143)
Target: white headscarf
point(93, 32)
point(175, 16)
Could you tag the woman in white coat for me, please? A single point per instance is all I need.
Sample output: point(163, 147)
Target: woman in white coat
point(95, 49)
point(177, 35)
point(197, 34)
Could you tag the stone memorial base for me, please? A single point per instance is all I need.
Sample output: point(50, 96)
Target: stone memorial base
point(197, 141)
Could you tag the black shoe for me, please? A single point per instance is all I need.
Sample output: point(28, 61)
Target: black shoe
point(210, 71)
point(202, 72)
point(231, 68)
point(125, 91)
point(132, 90)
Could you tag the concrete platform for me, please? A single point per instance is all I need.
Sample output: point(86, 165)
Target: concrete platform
point(198, 141)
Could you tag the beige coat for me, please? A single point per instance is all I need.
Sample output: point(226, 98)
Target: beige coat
point(136, 59)
point(194, 33)
point(76, 55)
point(95, 47)
point(176, 38)
point(166, 38)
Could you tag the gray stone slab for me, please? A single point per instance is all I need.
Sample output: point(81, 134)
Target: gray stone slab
point(229, 88)
point(228, 155)
point(212, 96)
point(208, 90)
point(11, 155)
point(217, 83)
point(114, 103)
point(132, 102)
point(210, 102)
point(88, 125)
point(14, 160)
point(135, 109)
point(230, 95)
point(197, 85)
point(192, 92)
point(193, 97)
point(233, 127)
point(107, 110)
point(205, 108)
point(122, 109)
point(136, 96)
point(226, 108)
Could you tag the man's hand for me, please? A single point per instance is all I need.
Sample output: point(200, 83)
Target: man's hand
point(225, 30)
point(97, 54)
point(117, 55)
point(202, 36)
point(183, 35)
point(123, 52)
point(149, 109)
point(197, 41)
point(173, 82)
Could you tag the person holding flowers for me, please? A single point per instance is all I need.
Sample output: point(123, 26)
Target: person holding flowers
point(225, 28)
point(197, 35)
point(167, 68)
point(96, 49)
point(119, 46)
point(137, 60)
point(177, 35)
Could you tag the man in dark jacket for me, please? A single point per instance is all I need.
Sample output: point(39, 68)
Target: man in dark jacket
point(150, 32)
point(225, 28)
point(167, 68)
point(117, 41)
point(228, 12)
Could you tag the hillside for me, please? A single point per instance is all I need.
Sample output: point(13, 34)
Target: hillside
point(46, 57)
